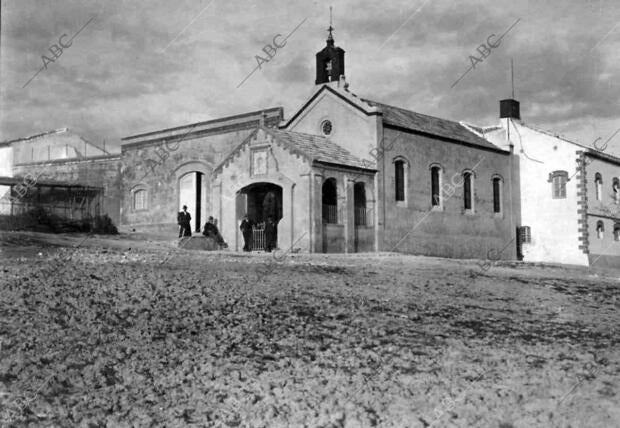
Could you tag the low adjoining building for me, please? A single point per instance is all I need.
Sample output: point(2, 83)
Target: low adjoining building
point(569, 194)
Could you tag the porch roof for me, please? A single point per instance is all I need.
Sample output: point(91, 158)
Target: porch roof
point(314, 148)
point(319, 149)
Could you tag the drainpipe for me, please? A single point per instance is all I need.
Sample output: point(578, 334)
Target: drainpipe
point(311, 210)
point(292, 202)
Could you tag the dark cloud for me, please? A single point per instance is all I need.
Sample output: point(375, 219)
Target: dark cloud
point(148, 65)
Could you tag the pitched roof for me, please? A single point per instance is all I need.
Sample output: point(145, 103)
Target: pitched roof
point(318, 148)
point(314, 148)
point(411, 120)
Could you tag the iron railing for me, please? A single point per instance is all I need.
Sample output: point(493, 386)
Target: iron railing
point(330, 214)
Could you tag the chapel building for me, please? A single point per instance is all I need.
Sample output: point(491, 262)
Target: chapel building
point(349, 174)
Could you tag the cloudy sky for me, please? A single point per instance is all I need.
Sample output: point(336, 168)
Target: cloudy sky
point(146, 65)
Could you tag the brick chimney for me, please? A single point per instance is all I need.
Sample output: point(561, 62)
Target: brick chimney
point(509, 108)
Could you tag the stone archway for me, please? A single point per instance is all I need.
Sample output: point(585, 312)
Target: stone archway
point(259, 201)
point(193, 193)
point(193, 190)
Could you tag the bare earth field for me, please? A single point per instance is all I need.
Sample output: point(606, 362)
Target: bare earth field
point(120, 332)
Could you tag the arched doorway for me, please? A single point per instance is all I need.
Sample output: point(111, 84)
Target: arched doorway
point(359, 203)
point(359, 216)
point(333, 230)
point(193, 193)
point(329, 195)
point(259, 201)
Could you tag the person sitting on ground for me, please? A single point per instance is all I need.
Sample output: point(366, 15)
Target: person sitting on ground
point(211, 230)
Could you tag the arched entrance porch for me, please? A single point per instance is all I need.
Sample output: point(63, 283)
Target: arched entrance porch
point(259, 201)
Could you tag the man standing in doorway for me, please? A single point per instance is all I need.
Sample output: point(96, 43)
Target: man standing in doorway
point(183, 218)
point(246, 230)
point(271, 234)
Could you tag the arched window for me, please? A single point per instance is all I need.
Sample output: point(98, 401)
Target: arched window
point(399, 180)
point(468, 191)
point(359, 203)
point(598, 183)
point(615, 188)
point(558, 181)
point(600, 229)
point(497, 194)
point(436, 200)
point(617, 232)
point(330, 201)
point(139, 200)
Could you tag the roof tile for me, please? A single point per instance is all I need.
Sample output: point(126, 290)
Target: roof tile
point(432, 125)
point(319, 148)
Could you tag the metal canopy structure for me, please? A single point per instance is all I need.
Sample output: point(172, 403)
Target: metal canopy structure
point(22, 197)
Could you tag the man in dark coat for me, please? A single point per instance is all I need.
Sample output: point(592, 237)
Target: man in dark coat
point(246, 230)
point(183, 219)
point(271, 206)
point(271, 234)
point(211, 230)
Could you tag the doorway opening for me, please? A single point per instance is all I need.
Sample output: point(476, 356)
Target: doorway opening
point(260, 201)
point(192, 192)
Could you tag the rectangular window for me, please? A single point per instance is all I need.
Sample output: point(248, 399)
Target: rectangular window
point(359, 204)
point(559, 187)
point(435, 197)
point(399, 172)
point(467, 191)
point(497, 206)
point(139, 200)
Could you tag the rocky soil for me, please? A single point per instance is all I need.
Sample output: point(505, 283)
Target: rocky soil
point(123, 332)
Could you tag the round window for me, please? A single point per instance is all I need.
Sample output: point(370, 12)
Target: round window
point(326, 127)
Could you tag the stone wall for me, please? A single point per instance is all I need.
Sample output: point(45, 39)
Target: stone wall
point(414, 226)
point(604, 250)
point(157, 165)
point(284, 169)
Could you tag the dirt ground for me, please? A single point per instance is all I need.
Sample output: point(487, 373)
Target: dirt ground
point(122, 332)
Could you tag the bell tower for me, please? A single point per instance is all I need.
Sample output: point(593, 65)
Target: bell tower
point(330, 60)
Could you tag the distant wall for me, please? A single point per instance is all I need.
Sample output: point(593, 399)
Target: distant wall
point(54, 145)
point(6, 166)
point(6, 161)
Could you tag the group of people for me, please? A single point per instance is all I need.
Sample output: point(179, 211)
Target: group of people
point(209, 230)
point(270, 230)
